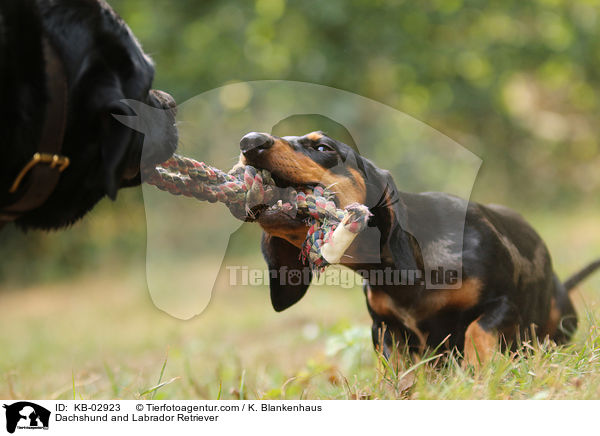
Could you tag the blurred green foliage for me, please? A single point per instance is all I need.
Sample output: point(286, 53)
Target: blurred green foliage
point(515, 82)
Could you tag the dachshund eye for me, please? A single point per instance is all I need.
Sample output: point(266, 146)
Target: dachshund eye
point(322, 147)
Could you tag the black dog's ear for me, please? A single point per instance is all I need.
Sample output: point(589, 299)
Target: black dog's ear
point(289, 279)
point(115, 138)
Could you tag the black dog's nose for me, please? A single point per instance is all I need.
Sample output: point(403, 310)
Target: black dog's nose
point(162, 99)
point(253, 142)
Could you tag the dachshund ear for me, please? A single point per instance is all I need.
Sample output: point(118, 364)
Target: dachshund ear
point(289, 279)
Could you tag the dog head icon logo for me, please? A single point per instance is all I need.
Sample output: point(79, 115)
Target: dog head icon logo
point(26, 415)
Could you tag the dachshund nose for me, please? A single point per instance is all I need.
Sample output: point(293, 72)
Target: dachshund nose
point(254, 142)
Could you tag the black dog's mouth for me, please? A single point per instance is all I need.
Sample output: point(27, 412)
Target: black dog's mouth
point(132, 167)
point(157, 144)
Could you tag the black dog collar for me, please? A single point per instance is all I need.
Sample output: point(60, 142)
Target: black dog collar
point(43, 170)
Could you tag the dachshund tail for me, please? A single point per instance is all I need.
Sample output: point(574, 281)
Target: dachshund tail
point(577, 278)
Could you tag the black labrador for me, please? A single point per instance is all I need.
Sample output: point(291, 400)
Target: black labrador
point(65, 66)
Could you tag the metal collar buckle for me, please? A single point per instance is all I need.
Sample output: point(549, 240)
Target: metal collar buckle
point(54, 160)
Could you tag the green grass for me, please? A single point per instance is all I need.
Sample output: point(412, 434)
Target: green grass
point(99, 336)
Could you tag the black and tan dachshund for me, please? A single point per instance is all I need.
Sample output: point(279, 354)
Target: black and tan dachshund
point(506, 288)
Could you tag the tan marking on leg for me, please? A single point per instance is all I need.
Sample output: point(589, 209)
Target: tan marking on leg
point(383, 305)
point(553, 320)
point(479, 345)
point(380, 302)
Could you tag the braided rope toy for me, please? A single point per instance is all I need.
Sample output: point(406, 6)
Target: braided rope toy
point(247, 191)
